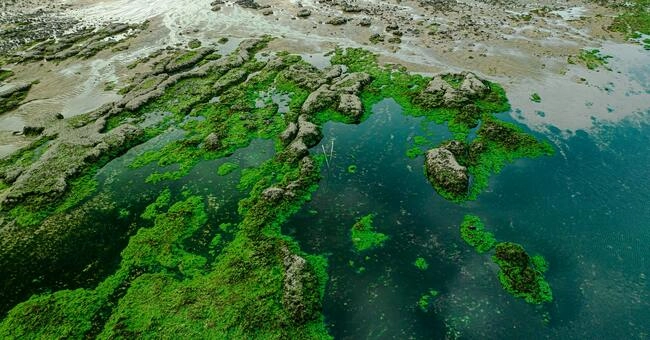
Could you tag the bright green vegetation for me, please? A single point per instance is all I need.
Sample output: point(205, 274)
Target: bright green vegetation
point(521, 275)
point(535, 98)
point(364, 236)
point(473, 232)
point(425, 300)
point(235, 285)
point(184, 275)
point(227, 168)
point(498, 143)
point(539, 262)
point(414, 152)
point(634, 18)
point(352, 169)
point(421, 263)
point(592, 59)
point(160, 282)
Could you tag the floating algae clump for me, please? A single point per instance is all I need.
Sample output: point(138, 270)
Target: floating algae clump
point(521, 275)
point(425, 300)
point(473, 232)
point(364, 236)
point(227, 168)
point(421, 263)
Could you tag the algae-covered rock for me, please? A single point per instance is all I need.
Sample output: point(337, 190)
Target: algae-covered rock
point(351, 105)
point(301, 296)
point(308, 132)
point(47, 178)
point(521, 276)
point(318, 100)
point(452, 90)
point(212, 142)
point(273, 194)
point(444, 172)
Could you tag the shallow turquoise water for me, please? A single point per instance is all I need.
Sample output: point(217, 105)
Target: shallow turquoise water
point(585, 209)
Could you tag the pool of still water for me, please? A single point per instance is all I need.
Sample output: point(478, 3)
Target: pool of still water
point(585, 209)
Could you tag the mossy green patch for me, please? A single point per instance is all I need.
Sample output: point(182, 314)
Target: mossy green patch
point(414, 152)
point(498, 144)
point(592, 59)
point(473, 232)
point(634, 18)
point(535, 98)
point(227, 168)
point(425, 300)
point(364, 236)
point(421, 264)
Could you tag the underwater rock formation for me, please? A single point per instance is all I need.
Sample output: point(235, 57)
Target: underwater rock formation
point(521, 276)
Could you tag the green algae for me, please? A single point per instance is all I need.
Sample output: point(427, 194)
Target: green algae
point(414, 152)
point(352, 169)
point(425, 300)
point(498, 144)
point(227, 168)
point(161, 287)
point(535, 98)
point(472, 230)
point(488, 153)
point(633, 19)
point(592, 59)
point(421, 264)
point(364, 236)
point(520, 275)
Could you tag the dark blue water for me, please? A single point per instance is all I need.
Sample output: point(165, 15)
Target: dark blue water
point(586, 209)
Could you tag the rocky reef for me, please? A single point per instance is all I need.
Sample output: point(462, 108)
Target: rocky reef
point(521, 276)
point(254, 282)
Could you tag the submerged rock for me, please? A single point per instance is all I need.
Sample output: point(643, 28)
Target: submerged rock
point(300, 297)
point(444, 172)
